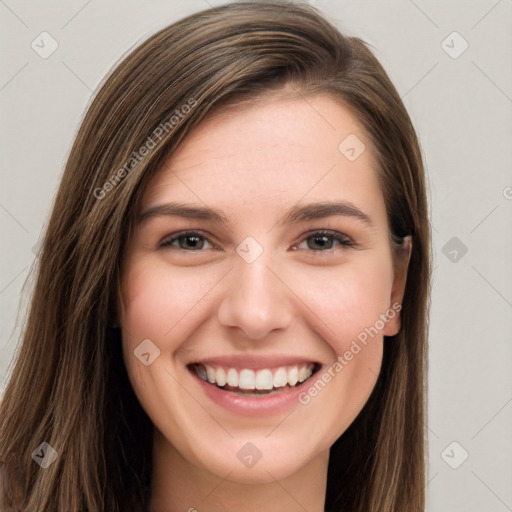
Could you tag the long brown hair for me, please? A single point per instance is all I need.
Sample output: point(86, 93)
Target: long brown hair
point(69, 386)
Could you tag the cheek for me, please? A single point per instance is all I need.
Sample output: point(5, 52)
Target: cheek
point(162, 306)
point(157, 303)
point(350, 299)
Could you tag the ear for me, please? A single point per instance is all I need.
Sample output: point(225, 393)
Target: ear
point(400, 266)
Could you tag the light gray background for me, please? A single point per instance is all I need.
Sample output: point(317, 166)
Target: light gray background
point(462, 108)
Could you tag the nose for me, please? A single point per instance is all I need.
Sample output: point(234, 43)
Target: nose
point(256, 299)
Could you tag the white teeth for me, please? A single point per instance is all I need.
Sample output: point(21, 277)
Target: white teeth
point(247, 380)
point(303, 374)
point(280, 378)
point(210, 374)
point(293, 376)
point(233, 377)
point(221, 377)
point(308, 371)
point(264, 379)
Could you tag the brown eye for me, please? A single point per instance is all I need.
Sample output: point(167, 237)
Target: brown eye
point(326, 240)
point(189, 241)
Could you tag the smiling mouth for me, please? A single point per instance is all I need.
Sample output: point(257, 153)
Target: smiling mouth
point(249, 382)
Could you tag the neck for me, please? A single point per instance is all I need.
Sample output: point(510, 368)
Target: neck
point(179, 486)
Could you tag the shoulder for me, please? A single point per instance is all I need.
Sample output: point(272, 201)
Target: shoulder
point(6, 498)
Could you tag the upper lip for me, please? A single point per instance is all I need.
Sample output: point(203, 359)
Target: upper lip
point(254, 362)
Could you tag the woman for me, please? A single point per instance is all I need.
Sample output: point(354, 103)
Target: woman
point(232, 295)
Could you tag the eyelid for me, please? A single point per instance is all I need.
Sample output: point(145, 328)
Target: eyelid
point(345, 240)
point(169, 239)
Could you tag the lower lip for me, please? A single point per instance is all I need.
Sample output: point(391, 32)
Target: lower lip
point(254, 406)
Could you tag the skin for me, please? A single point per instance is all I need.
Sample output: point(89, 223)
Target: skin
point(253, 163)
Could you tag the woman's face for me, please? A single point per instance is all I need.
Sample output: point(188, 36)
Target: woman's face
point(261, 255)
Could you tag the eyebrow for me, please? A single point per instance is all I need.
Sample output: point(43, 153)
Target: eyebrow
point(298, 213)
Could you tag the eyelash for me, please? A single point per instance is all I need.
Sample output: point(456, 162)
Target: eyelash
point(343, 240)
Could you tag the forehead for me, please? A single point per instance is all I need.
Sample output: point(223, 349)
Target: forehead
point(271, 155)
